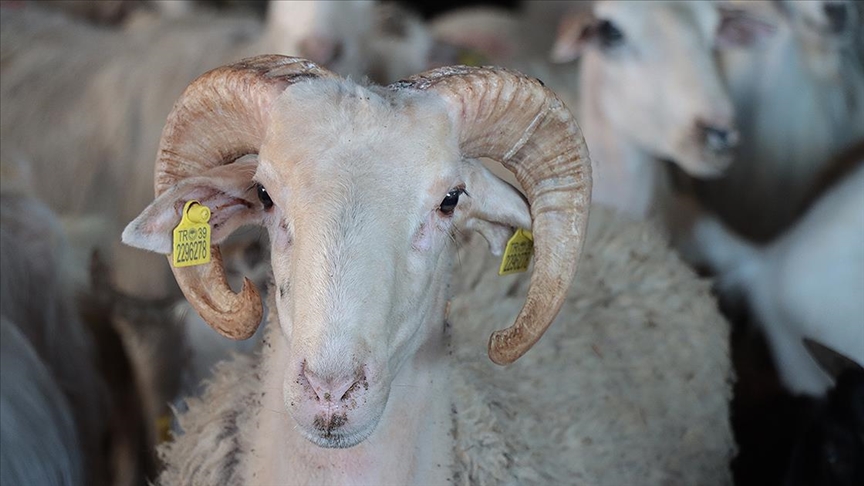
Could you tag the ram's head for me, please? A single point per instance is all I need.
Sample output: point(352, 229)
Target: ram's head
point(362, 190)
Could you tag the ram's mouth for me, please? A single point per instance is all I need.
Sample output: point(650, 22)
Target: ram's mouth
point(327, 435)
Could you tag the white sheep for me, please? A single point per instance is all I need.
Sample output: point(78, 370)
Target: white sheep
point(364, 191)
point(650, 89)
point(800, 102)
point(808, 282)
point(102, 108)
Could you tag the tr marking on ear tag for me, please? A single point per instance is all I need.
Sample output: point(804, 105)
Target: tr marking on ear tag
point(517, 254)
point(191, 243)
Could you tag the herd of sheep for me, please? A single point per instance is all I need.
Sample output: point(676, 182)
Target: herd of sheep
point(364, 169)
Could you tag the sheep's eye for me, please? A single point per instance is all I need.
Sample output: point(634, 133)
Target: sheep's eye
point(609, 35)
point(264, 197)
point(450, 201)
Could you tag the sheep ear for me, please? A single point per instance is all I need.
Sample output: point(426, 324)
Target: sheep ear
point(227, 190)
point(495, 209)
point(575, 31)
point(740, 29)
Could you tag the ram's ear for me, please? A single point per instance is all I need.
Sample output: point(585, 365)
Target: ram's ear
point(495, 209)
point(575, 31)
point(227, 190)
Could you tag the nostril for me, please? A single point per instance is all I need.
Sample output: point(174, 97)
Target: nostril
point(330, 389)
point(837, 13)
point(719, 139)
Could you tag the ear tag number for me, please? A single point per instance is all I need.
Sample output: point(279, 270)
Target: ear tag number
point(192, 236)
point(517, 254)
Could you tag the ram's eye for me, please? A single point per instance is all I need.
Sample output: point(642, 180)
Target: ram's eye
point(264, 197)
point(450, 201)
point(609, 35)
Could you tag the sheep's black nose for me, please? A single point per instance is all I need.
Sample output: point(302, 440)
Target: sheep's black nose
point(837, 14)
point(719, 139)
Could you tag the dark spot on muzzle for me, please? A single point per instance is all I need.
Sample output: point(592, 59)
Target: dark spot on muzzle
point(328, 425)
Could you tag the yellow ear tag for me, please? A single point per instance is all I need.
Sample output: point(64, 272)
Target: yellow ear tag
point(517, 254)
point(192, 236)
point(163, 428)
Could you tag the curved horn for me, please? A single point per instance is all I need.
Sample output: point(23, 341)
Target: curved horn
point(514, 119)
point(221, 116)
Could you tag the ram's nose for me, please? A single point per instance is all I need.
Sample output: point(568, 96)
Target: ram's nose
point(332, 388)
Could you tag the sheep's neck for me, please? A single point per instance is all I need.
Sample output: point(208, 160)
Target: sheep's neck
point(624, 175)
point(412, 444)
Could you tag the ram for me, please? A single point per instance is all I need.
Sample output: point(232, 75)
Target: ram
point(365, 192)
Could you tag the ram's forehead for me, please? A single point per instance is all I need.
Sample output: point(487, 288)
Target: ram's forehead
point(337, 125)
point(329, 139)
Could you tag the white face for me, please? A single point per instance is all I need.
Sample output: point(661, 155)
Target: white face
point(359, 241)
point(362, 193)
point(659, 82)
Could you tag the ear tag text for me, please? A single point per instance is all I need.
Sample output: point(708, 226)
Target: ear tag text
point(517, 254)
point(191, 243)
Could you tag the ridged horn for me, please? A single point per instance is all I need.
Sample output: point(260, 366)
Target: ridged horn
point(516, 120)
point(221, 116)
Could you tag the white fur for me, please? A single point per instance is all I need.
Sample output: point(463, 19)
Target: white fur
point(629, 386)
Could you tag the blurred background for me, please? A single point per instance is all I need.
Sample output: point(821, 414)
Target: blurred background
point(737, 127)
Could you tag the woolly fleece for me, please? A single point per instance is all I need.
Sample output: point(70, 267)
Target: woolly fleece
point(630, 385)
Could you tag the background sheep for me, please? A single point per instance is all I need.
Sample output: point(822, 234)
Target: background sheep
point(650, 90)
point(807, 283)
point(800, 102)
point(38, 435)
point(58, 353)
point(102, 109)
point(646, 88)
point(111, 12)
